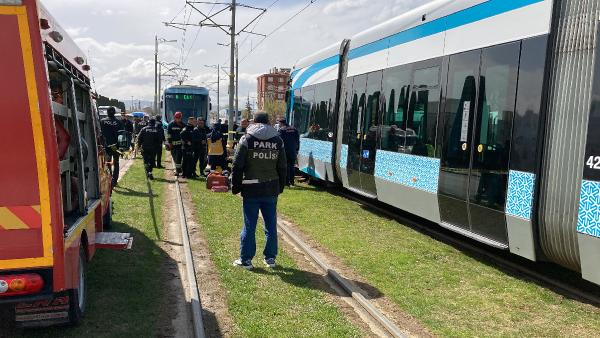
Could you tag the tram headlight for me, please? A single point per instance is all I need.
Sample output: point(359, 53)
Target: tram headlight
point(3, 286)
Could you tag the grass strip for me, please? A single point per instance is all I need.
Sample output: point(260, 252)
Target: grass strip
point(282, 302)
point(451, 293)
point(125, 290)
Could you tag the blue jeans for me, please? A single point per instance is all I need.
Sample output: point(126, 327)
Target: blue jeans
point(268, 208)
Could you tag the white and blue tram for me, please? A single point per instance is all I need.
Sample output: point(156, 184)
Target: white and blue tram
point(472, 114)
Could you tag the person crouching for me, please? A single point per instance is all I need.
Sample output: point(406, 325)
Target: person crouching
point(259, 174)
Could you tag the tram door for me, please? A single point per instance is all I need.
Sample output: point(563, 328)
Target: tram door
point(475, 130)
point(364, 132)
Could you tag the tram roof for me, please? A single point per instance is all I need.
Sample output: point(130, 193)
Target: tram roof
point(186, 89)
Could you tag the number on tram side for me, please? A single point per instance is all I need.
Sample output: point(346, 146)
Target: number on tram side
point(593, 162)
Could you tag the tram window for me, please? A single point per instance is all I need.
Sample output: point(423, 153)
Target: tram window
point(428, 77)
point(529, 104)
point(320, 126)
point(396, 88)
point(305, 110)
point(421, 122)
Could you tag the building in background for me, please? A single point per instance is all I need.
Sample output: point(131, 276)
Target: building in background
point(272, 86)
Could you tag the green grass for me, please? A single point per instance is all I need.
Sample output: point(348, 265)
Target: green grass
point(451, 293)
point(264, 303)
point(125, 290)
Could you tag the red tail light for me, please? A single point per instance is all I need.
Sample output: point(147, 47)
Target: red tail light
point(18, 285)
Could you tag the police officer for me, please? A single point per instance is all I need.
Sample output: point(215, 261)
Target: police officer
point(187, 137)
point(128, 127)
point(174, 140)
point(159, 125)
point(241, 130)
point(259, 173)
point(291, 140)
point(199, 143)
point(150, 141)
point(110, 126)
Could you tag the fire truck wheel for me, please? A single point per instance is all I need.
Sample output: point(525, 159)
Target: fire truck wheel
point(78, 296)
point(107, 219)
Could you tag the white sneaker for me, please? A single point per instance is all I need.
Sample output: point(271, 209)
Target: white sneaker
point(270, 262)
point(246, 265)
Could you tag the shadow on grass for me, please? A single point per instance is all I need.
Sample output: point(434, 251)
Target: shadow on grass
point(469, 246)
point(310, 280)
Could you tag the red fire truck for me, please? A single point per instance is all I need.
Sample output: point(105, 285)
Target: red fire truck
point(54, 181)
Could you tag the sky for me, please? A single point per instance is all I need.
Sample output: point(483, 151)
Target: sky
point(118, 36)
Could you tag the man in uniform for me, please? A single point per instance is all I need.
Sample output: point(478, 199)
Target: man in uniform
point(150, 141)
point(259, 173)
point(241, 130)
point(110, 126)
point(174, 140)
point(159, 125)
point(128, 127)
point(187, 137)
point(291, 140)
point(199, 144)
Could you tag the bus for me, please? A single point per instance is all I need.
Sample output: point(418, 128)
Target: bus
point(191, 101)
point(55, 188)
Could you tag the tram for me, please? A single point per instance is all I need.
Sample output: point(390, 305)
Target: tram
point(54, 183)
point(191, 101)
point(477, 115)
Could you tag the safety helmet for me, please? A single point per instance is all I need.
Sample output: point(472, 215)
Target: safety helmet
point(178, 115)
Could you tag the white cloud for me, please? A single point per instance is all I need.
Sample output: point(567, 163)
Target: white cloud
point(341, 6)
point(76, 31)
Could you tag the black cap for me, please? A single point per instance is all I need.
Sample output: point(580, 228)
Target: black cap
point(261, 118)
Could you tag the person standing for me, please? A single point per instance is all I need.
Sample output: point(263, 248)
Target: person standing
point(128, 127)
point(187, 138)
point(110, 127)
point(216, 148)
point(199, 144)
point(160, 127)
point(259, 174)
point(241, 130)
point(291, 140)
point(174, 140)
point(150, 141)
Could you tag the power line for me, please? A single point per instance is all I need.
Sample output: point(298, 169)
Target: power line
point(278, 28)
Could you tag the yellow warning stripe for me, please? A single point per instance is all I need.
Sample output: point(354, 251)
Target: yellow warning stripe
point(10, 221)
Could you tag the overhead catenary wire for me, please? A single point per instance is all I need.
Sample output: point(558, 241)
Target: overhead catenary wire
point(278, 28)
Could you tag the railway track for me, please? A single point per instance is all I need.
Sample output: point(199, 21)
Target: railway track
point(194, 294)
point(468, 245)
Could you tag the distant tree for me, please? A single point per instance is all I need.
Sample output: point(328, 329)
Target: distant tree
point(247, 113)
point(275, 109)
point(106, 101)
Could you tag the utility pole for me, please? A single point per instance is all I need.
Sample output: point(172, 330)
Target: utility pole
point(157, 41)
point(218, 67)
point(231, 75)
point(237, 80)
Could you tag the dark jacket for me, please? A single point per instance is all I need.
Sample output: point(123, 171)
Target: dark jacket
point(291, 140)
point(187, 136)
point(259, 164)
point(140, 125)
point(174, 133)
point(127, 126)
point(199, 137)
point(151, 138)
point(110, 130)
point(239, 132)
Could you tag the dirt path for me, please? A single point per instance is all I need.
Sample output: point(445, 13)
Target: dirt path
point(410, 325)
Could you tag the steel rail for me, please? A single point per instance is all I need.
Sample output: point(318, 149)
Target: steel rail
point(189, 266)
point(381, 319)
point(567, 289)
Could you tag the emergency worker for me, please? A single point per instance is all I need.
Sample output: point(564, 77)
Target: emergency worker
point(216, 148)
point(128, 127)
point(291, 140)
point(159, 125)
point(199, 143)
point(110, 126)
point(187, 138)
point(259, 174)
point(174, 141)
point(150, 141)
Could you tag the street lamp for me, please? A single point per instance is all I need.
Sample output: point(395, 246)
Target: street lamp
point(157, 40)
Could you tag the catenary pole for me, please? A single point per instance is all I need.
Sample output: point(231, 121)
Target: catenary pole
point(237, 80)
point(155, 74)
point(231, 75)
